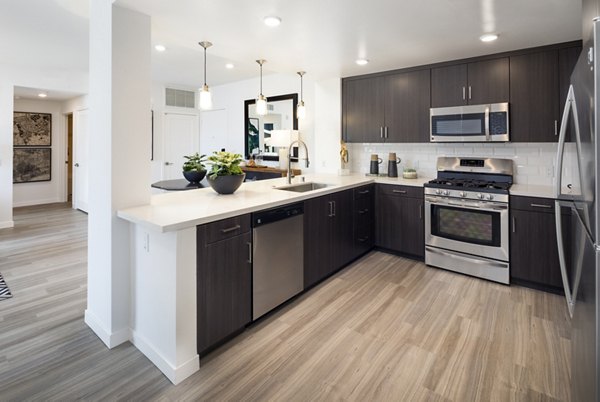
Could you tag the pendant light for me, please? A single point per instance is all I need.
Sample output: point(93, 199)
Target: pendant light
point(261, 101)
point(205, 96)
point(301, 111)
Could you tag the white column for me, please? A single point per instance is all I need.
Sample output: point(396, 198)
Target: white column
point(6, 154)
point(119, 165)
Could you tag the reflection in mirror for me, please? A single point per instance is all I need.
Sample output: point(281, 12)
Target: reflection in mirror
point(281, 115)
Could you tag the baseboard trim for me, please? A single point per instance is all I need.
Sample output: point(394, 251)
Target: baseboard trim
point(109, 339)
point(37, 202)
point(7, 224)
point(174, 374)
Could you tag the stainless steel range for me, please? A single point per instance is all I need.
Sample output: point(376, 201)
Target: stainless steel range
point(466, 217)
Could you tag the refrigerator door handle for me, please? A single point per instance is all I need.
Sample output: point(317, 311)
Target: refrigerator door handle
point(561, 258)
point(570, 107)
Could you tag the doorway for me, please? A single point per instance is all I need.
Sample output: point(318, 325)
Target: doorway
point(69, 161)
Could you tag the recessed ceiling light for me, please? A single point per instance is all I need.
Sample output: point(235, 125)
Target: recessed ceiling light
point(42, 94)
point(488, 37)
point(229, 66)
point(272, 21)
point(160, 48)
point(362, 62)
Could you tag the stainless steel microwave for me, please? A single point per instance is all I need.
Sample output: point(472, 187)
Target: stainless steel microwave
point(472, 123)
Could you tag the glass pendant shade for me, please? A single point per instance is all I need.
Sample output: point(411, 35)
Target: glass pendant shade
point(205, 98)
point(301, 111)
point(261, 105)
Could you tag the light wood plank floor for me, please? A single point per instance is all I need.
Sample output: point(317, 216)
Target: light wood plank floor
point(385, 328)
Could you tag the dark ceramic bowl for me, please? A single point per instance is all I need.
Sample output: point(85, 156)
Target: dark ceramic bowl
point(194, 176)
point(226, 184)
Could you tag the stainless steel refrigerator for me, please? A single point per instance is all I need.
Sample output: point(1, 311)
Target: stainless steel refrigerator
point(577, 214)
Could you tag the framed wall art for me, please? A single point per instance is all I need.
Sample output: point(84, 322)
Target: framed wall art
point(32, 164)
point(32, 129)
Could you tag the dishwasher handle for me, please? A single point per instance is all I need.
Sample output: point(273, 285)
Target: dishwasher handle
point(277, 214)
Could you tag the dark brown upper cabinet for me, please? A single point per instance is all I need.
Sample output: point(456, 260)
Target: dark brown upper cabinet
point(538, 88)
point(390, 108)
point(473, 83)
point(534, 106)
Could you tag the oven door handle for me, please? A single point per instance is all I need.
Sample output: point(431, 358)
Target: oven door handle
point(486, 207)
point(487, 262)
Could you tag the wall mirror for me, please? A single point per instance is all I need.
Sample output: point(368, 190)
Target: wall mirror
point(281, 116)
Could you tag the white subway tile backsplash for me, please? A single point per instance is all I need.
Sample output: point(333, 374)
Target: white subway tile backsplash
point(531, 160)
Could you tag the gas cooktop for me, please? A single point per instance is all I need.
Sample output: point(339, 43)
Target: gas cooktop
point(469, 184)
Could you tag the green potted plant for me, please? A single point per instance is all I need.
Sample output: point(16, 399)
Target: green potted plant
point(409, 173)
point(193, 168)
point(225, 174)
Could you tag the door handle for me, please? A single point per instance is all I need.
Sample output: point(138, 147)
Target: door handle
point(555, 128)
point(421, 211)
point(514, 225)
point(363, 211)
point(469, 92)
point(381, 132)
point(464, 94)
point(386, 132)
point(541, 206)
point(333, 204)
point(231, 229)
point(364, 192)
point(77, 165)
point(330, 209)
point(399, 191)
point(249, 252)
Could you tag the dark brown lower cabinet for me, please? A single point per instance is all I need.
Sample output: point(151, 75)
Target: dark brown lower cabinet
point(400, 221)
point(364, 214)
point(224, 280)
point(328, 239)
point(533, 249)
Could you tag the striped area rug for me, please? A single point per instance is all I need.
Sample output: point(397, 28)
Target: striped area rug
point(4, 290)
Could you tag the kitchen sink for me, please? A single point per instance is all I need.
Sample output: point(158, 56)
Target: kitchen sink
point(303, 187)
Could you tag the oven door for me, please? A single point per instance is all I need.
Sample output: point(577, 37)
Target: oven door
point(473, 227)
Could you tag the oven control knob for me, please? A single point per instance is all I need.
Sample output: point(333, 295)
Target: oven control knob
point(480, 196)
point(446, 192)
point(462, 194)
point(438, 191)
point(490, 197)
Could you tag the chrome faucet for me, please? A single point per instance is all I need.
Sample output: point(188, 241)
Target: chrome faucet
point(290, 173)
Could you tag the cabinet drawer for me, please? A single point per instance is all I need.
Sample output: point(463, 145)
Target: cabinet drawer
point(535, 204)
point(227, 228)
point(364, 192)
point(400, 191)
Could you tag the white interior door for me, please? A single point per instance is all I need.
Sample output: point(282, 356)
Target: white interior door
point(213, 131)
point(180, 138)
point(80, 159)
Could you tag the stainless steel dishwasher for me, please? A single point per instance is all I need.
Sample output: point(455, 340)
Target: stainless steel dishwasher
point(278, 257)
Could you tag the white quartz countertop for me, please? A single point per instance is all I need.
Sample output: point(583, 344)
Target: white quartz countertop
point(184, 209)
point(532, 190)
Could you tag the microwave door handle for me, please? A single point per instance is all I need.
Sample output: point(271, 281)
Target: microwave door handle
point(561, 142)
point(486, 122)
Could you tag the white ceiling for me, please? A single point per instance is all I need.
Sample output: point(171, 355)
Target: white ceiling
point(322, 37)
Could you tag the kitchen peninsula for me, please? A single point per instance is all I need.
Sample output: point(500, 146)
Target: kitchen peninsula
point(163, 285)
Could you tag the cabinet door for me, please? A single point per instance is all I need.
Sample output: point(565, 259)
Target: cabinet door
point(363, 110)
point(388, 214)
point(449, 86)
point(407, 103)
point(363, 219)
point(317, 237)
point(342, 241)
point(488, 81)
point(412, 238)
point(567, 58)
point(224, 289)
point(534, 97)
point(533, 250)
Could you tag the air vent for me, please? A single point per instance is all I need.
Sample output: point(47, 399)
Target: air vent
point(180, 98)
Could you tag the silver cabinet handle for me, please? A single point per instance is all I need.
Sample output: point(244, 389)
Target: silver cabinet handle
point(364, 192)
point(421, 211)
point(333, 204)
point(555, 127)
point(330, 209)
point(77, 165)
point(363, 211)
point(541, 206)
point(464, 94)
point(381, 132)
point(231, 229)
point(249, 252)
point(399, 191)
point(385, 135)
point(469, 92)
point(514, 225)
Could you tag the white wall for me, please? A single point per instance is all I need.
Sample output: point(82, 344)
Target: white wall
point(328, 125)
point(45, 192)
